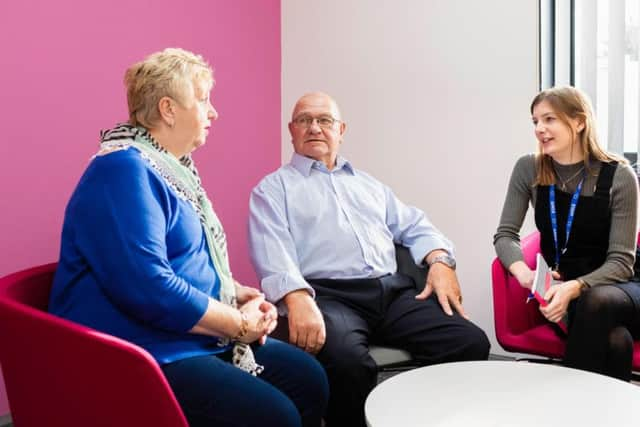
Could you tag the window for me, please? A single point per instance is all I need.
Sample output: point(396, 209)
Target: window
point(595, 46)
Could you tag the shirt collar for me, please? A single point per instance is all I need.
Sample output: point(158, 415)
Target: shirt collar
point(304, 165)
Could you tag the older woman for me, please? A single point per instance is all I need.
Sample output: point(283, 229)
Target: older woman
point(144, 257)
point(585, 202)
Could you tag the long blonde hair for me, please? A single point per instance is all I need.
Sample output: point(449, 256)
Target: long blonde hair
point(570, 103)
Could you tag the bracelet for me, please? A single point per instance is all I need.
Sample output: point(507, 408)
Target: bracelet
point(244, 327)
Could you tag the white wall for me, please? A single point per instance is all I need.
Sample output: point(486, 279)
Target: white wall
point(435, 94)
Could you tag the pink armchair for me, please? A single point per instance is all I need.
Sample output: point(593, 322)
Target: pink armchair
point(59, 373)
point(520, 327)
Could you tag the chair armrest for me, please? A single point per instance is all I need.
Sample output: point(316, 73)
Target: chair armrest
point(79, 374)
point(530, 247)
point(511, 315)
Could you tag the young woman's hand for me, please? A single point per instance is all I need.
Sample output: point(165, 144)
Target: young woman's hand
point(559, 297)
point(523, 274)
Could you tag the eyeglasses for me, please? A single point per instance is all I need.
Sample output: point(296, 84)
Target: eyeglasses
point(304, 122)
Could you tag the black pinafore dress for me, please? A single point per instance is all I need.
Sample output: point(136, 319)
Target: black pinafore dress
point(589, 240)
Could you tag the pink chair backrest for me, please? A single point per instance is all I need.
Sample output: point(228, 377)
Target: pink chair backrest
point(59, 373)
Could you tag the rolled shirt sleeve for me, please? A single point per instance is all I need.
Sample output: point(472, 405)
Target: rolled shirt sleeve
point(272, 248)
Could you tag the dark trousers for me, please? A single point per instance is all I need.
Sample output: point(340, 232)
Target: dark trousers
point(292, 390)
point(604, 321)
point(383, 311)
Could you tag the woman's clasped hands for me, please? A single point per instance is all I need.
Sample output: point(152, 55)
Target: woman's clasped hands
point(259, 316)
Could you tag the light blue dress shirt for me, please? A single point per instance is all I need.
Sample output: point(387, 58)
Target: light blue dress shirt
point(310, 222)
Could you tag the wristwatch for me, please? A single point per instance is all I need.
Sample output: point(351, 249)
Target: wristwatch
point(445, 259)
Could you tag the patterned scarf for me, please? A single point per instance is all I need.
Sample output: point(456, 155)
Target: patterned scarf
point(182, 177)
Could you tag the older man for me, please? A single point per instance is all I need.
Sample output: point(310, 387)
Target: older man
point(322, 239)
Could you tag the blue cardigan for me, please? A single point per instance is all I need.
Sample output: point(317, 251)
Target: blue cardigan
point(134, 260)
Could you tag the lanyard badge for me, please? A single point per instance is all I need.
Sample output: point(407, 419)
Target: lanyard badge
point(554, 219)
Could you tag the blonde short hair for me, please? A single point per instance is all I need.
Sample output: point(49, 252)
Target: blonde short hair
point(167, 73)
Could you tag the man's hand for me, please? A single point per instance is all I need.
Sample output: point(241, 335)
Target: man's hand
point(442, 280)
point(559, 297)
point(306, 325)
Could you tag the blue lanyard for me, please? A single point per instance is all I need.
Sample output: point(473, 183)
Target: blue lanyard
point(554, 219)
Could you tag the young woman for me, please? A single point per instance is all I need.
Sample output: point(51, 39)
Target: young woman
point(585, 204)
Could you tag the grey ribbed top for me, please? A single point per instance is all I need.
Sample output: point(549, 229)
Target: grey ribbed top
point(618, 266)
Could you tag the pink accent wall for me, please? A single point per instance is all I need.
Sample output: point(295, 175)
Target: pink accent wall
point(61, 66)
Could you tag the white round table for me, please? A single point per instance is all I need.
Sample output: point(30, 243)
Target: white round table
point(501, 394)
